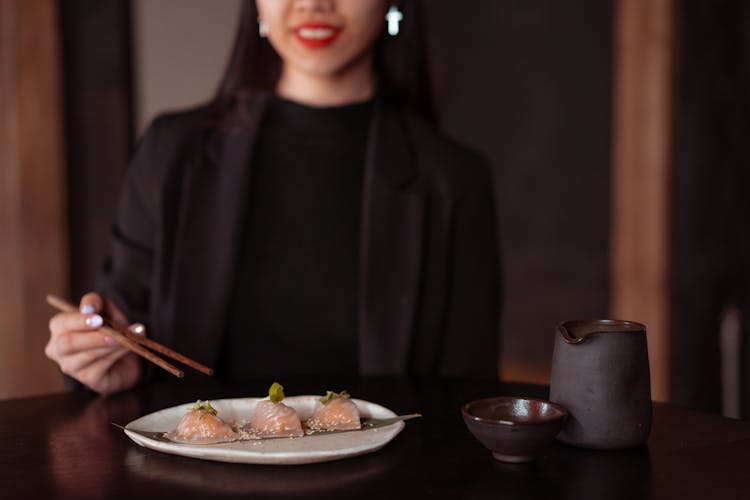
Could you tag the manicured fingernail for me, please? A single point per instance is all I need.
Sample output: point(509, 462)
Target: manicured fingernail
point(110, 340)
point(94, 321)
point(138, 328)
point(87, 309)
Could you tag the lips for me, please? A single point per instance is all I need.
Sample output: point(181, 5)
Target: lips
point(316, 35)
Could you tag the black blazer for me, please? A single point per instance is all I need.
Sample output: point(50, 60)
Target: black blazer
point(428, 301)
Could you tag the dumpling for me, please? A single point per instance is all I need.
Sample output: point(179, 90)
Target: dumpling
point(335, 411)
point(275, 420)
point(201, 424)
point(272, 418)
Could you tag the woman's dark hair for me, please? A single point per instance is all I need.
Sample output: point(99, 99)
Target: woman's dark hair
point(400, 62)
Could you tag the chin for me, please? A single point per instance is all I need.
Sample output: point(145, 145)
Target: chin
point(323, 67)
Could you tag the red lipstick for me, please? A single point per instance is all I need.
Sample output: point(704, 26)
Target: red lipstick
point(316, 35)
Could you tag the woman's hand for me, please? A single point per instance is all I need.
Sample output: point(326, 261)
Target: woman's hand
point(83, 352)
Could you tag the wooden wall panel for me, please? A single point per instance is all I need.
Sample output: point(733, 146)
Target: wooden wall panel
point(98, 128)
point(642, 174)
point(33, 245)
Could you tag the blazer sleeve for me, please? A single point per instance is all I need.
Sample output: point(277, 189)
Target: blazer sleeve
point(127, 275)
point(471, 337)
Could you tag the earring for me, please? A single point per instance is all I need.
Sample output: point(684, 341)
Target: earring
point(393, 17)
point(262, 29)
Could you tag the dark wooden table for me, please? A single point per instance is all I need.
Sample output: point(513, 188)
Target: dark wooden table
point(63, 446)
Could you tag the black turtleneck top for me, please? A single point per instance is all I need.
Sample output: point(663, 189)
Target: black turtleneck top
point(294, 307)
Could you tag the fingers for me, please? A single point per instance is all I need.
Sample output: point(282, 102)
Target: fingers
point(137, 328)
point(67, 344)
point(114, 372)
point(76, 365)
point(92, 302)
point(74, 322)
point(89, 359)
point(123, 374)
point(73, 332)
point(85, 353)
point(75, 340)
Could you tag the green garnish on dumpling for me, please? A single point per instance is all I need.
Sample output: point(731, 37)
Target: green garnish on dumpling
point(276, 392)
point(330, 395)
point(203, 406)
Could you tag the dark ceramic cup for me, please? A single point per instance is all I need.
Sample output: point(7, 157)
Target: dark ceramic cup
point(600, 373)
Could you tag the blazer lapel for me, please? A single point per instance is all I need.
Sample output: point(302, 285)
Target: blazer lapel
point(391, 247)
point(212, 215)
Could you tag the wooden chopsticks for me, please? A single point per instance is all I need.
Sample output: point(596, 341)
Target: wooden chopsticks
point(134, 341)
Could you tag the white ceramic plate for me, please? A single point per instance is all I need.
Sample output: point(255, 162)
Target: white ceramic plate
point(284, 451)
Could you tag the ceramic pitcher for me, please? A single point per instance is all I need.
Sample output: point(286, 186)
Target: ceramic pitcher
point(600, 373)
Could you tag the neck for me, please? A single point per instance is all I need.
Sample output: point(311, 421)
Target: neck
point(354, 84)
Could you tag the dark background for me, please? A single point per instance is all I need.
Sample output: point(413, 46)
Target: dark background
point(712, 181)
point(528, 83)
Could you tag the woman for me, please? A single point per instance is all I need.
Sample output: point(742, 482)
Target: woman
point(308, 220)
